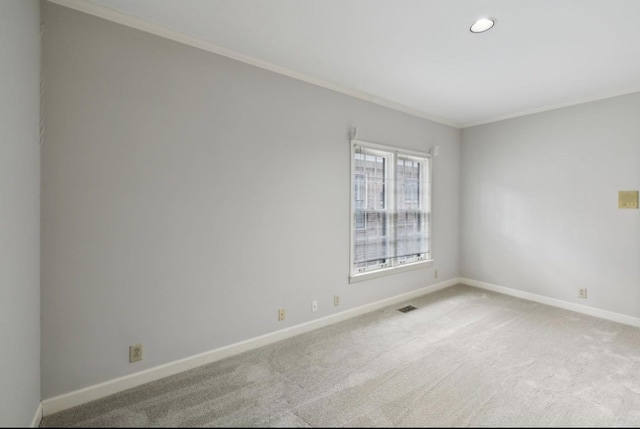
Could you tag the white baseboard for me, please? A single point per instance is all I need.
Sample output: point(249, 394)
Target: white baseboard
point(101, 390)
point(578, 308)
point(37, 418)
point(97, 391)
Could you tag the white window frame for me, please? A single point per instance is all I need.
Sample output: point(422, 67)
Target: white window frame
point(391, 265)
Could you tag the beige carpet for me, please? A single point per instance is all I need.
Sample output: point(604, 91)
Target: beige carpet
point(464, 357)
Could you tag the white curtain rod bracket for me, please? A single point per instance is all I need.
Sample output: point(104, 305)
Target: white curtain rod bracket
point(354, 133)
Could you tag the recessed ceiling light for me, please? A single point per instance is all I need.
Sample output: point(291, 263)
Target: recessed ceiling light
point(481, 25)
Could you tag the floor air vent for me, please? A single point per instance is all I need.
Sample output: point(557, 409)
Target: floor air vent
point(407, 309)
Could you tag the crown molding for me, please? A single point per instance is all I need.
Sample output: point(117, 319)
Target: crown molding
point(137, 23)
point(551, 107)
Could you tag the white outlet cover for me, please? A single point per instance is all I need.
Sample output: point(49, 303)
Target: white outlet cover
point(314, 306)
point(135, 353)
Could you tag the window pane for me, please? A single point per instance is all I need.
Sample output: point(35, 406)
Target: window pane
point(411, 226)
point(371, 218)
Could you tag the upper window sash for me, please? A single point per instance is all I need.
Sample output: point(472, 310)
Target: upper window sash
point(380, 148)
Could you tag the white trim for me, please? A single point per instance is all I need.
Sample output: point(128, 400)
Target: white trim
point(549, 108)
point(352, 198)
point(390, 149)
point(391, 154)
point(360, 277)
point(566, 305)
point(97, 391)
point(162, 31)
point(87, 394)
point(156, 29)
point(37, 417)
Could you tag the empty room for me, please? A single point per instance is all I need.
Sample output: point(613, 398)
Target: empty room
point(319, 213)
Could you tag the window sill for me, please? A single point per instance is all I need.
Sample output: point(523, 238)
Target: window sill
point(355, 278)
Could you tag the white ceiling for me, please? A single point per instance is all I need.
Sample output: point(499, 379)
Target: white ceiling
point(419, 55)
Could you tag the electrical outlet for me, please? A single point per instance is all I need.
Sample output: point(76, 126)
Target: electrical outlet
point(336, 300)
point(280, 314)
point(135, 353)
point(435, 274)
point(314, 305)
point(582, 293)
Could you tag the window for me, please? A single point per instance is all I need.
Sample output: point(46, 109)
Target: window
point(390, 209)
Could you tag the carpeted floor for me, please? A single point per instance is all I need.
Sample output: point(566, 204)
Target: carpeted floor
point(464, 357)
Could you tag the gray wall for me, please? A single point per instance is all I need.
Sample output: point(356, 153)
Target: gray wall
point(19, 212)
point(540, 204)
point(187, 197)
